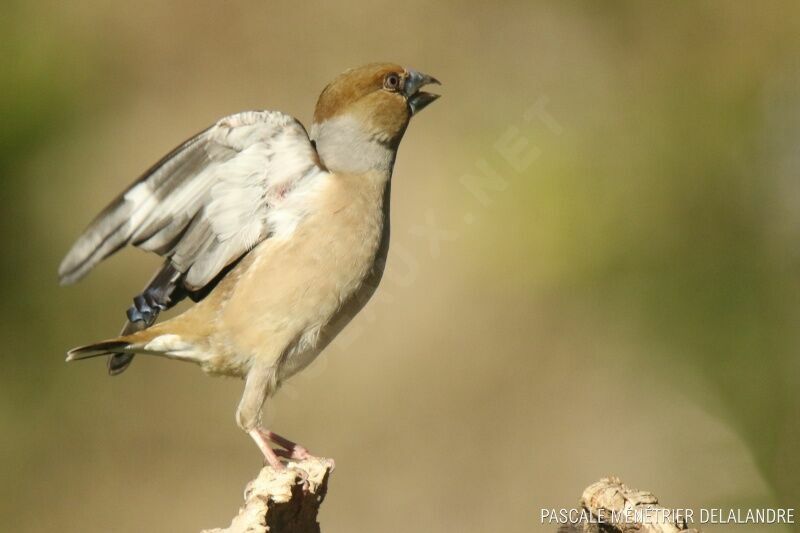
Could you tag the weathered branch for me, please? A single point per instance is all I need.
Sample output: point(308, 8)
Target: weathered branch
point(285, 501)
point(288, 501)
point(615, 508)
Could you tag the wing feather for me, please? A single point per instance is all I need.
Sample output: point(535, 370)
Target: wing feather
point(207, 202)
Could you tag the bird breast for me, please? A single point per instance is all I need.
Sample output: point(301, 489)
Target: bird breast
point(297, 284)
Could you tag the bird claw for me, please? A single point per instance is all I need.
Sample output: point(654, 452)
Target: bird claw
point(301, 477)
point(248, 489)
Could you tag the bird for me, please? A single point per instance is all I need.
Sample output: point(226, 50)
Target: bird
point(278, 235)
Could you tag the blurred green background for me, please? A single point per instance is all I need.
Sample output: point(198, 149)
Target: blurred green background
point(595, 265)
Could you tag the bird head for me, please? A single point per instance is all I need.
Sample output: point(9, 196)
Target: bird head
point(367, 109)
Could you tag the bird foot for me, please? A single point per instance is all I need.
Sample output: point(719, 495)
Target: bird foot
point(288, 450)
point(301, 477)
point(298, 453)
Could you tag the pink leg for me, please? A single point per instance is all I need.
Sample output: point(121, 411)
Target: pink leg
point(266, 449)
point(295, 450)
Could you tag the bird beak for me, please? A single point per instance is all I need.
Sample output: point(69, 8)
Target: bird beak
point(417, 100)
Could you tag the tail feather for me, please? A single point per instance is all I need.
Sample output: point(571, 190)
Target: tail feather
point(119, 361)
point(97, 349)
point(154, 340)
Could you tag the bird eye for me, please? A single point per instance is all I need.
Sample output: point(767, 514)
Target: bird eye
point(392, 81)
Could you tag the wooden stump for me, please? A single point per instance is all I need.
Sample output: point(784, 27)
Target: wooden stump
point(285, 501)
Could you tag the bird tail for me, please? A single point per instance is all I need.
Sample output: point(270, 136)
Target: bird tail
point(97, 349)
point(125, 344)
point(119, 361)
point(140, 342)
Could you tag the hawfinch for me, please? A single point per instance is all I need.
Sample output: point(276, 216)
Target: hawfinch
point(280, 237)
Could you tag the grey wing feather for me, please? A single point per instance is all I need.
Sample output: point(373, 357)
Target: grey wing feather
point(207, 202)
point(112, 229)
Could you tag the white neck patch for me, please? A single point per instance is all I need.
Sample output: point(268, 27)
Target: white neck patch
point(344, 145)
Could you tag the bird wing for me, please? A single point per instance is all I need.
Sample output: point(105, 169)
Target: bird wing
point(207, 202)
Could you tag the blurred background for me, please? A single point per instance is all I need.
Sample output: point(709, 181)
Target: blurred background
point(595, 265)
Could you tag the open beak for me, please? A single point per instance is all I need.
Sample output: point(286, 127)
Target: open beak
point(418, 100)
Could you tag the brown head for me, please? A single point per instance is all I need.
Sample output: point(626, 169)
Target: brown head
point(364, 106)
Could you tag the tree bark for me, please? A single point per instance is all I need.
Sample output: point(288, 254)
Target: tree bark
point(617, 508)
point(285, 501)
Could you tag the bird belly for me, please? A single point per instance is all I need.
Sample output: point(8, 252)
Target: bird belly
point(348, 303)
point(313, 342)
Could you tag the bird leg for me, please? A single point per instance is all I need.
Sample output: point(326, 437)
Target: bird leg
point(291, 450)
point(248, 416)
point(287, 450)
point(270, 455)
